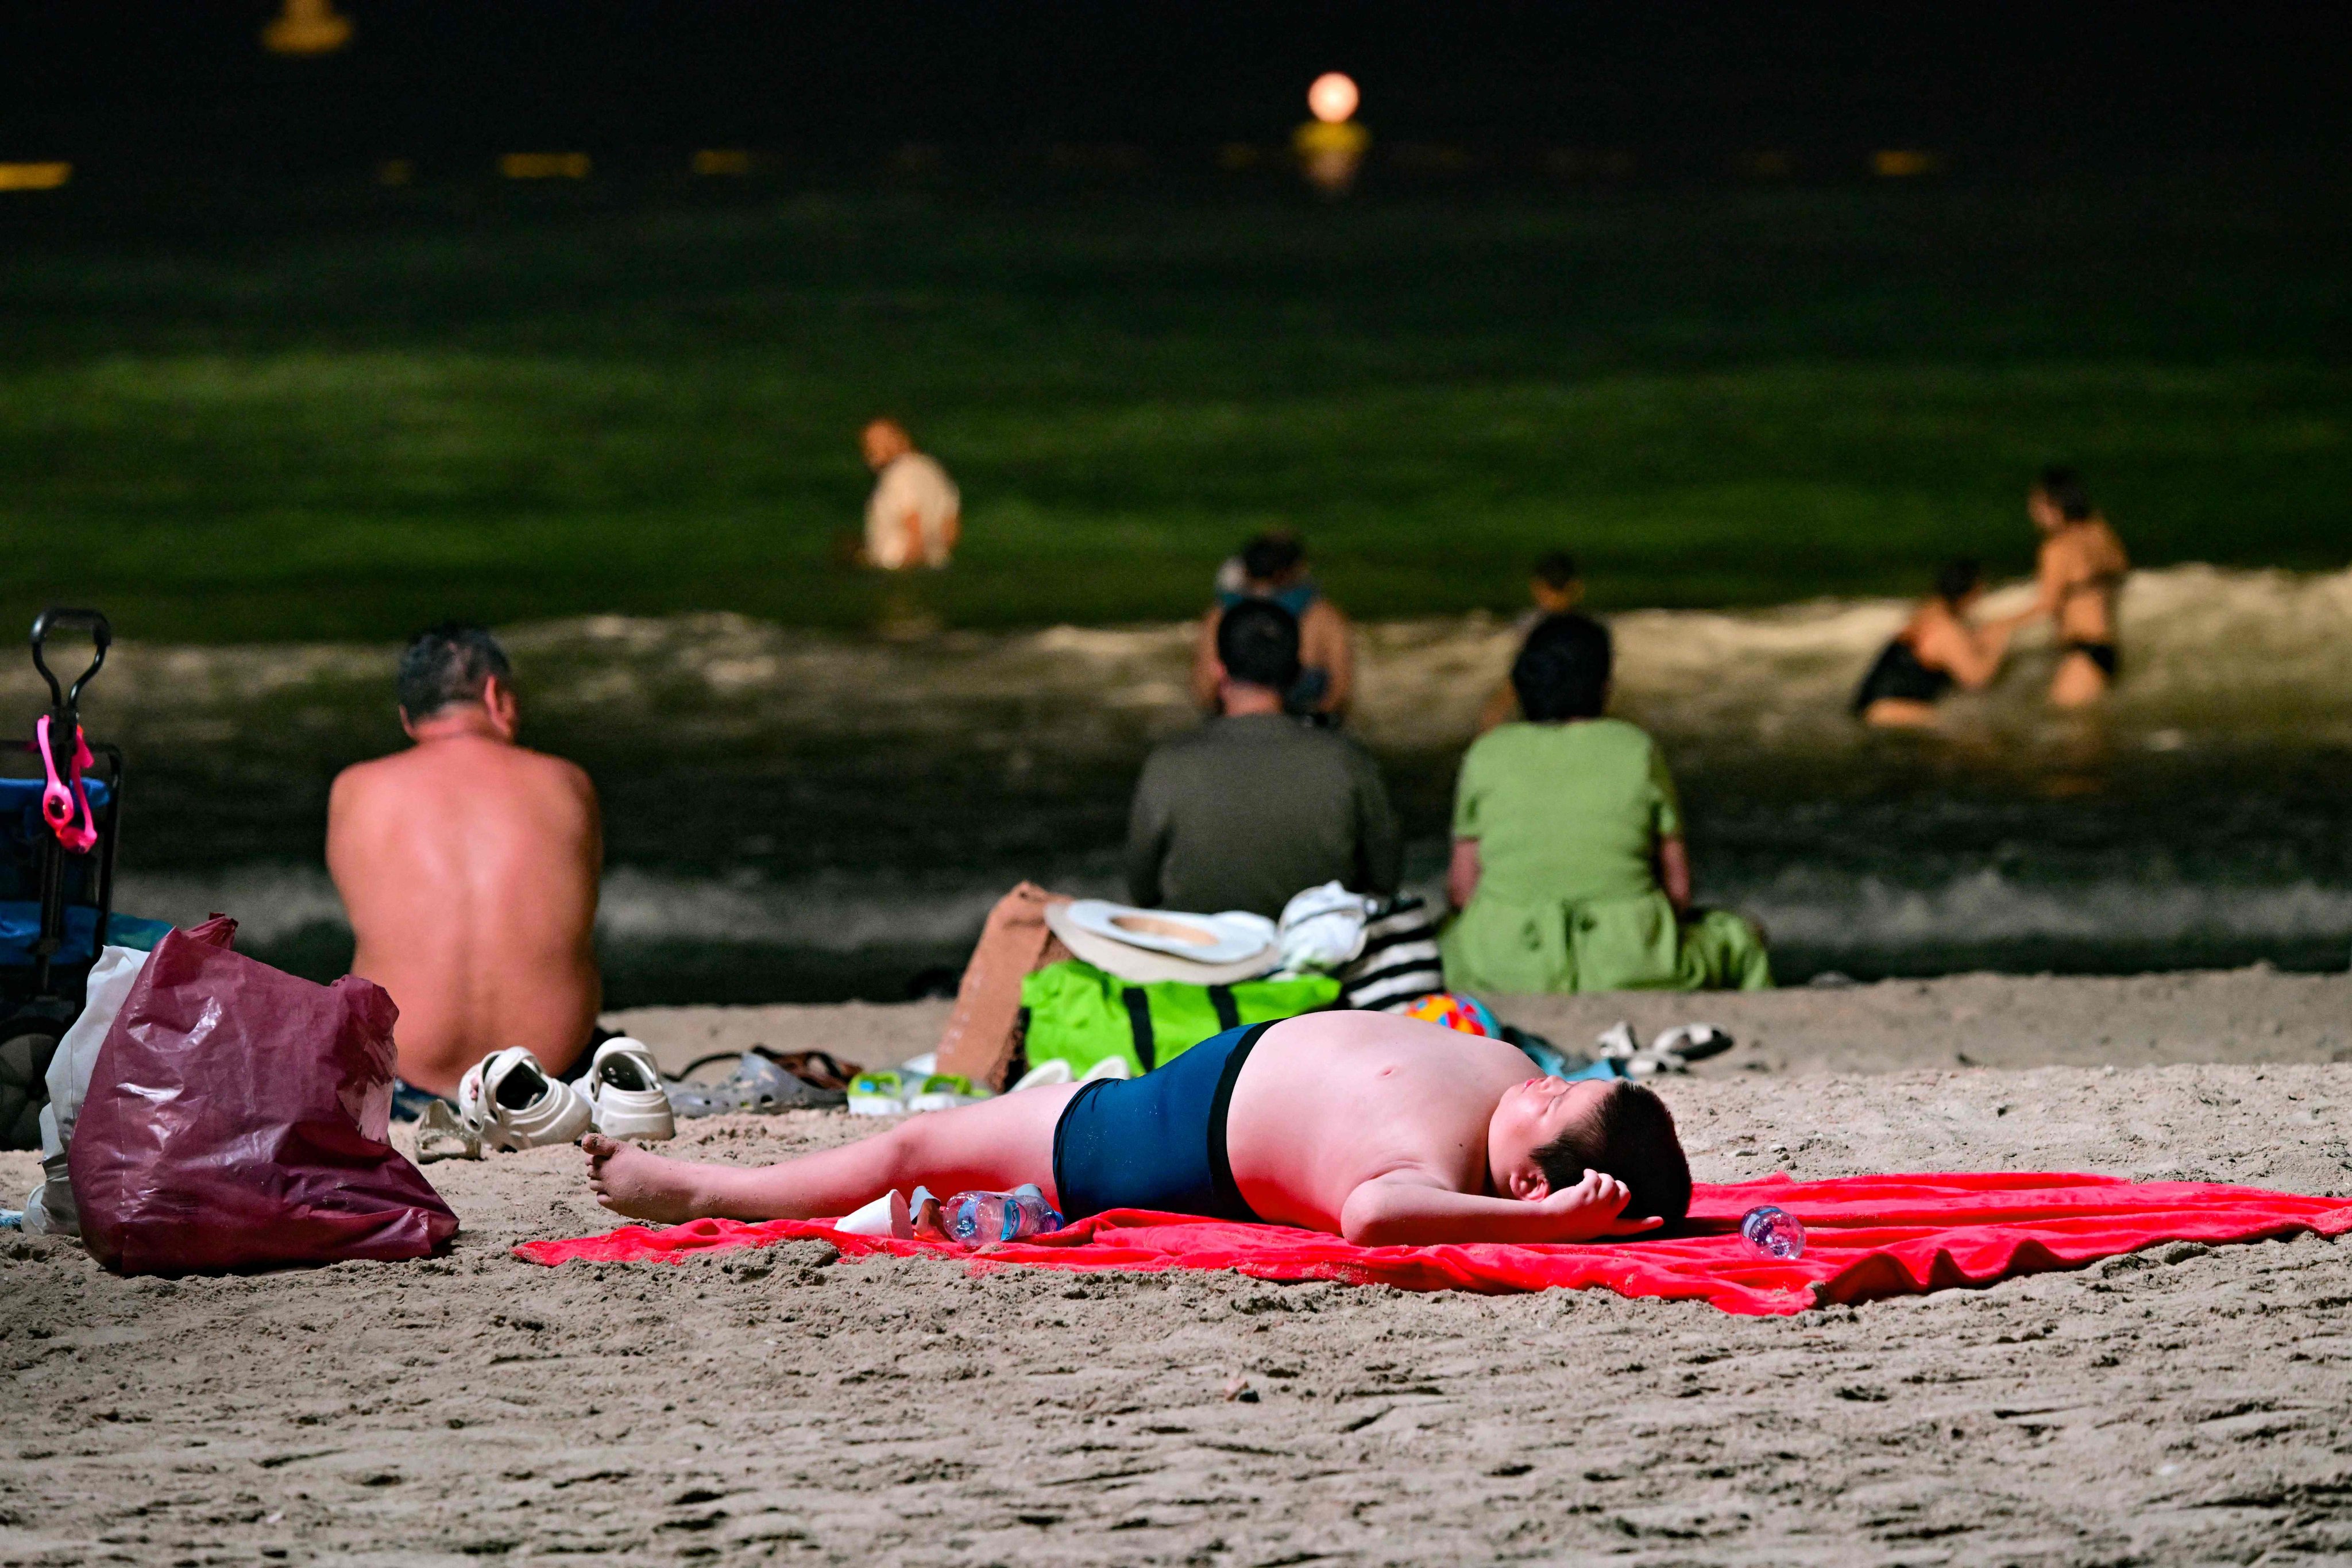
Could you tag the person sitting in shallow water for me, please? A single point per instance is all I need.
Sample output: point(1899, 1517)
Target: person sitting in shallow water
point(2079, 573)
point(1936, 649)
point(1557, 587)
point(1274, 566)
point(1383, 1129)
point(1569, 863)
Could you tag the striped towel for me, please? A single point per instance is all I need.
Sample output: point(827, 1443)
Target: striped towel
point(1400, 960)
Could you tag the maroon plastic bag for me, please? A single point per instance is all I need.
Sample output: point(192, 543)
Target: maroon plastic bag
point(237, 1116)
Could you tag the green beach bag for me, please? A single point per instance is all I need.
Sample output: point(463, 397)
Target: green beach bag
point(1079, 1015)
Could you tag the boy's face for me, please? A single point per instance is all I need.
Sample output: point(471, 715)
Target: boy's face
point(1528, 1116)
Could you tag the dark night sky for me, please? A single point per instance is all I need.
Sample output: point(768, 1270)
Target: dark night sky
point(112, 84)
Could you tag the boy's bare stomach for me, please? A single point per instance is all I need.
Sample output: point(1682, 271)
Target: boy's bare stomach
point(1330, 1100)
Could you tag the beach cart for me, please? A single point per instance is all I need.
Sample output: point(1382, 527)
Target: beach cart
point(57, 831)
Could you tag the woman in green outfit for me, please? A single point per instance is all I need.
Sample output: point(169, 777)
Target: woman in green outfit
point(1568, 867)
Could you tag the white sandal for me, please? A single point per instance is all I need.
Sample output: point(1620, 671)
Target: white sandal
point(624, 1094)
point(506, 1100)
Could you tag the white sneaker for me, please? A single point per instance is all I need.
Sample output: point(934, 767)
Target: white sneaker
point(1052, 1070)
point(624, 1093)
point(508, 1101)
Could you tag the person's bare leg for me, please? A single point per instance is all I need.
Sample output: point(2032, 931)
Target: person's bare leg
point(999, 1143)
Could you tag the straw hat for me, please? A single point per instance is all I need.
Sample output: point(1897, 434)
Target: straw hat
point(1145, 945)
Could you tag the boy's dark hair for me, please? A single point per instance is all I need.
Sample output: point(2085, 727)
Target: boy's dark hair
point(1258, 642)
point(2065, 487)
point(448, 663)
point(1271, 555)
point(1562, 671)
point(1957, 580)
point(1556, 569)
point(1629, 1135)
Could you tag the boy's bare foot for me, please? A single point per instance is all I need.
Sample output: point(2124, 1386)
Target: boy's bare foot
point(629, 1181)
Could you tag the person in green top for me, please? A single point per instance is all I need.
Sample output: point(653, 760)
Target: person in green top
point(1569, 867)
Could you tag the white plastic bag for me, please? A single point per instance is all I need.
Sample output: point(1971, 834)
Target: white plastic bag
point(52, 1206)
point(1322, 928)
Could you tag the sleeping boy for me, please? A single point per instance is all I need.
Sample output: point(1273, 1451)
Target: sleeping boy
point(1382, 1129)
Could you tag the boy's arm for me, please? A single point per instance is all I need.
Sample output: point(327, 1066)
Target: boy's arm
point(1405, 1209)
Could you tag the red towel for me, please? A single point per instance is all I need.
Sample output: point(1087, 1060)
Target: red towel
point(1866, 1236)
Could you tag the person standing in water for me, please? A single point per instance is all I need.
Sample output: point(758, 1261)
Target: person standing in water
point(1936, 649)
point(1556, 587)
point(2081, 572)
point(1274, 566)
point(915, 517)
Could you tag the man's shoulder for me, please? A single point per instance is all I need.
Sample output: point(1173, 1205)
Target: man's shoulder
point(558, 771)
point(1585, 737)
point(916, 469)
point(1223, 742)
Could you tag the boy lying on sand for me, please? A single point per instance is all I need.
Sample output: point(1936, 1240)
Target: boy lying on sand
point(1384, 1129)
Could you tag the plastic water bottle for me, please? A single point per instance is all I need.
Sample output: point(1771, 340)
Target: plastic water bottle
point(974, 1219)
point(1774, 1232)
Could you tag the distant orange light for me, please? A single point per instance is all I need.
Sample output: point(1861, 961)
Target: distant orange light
point(307, 27)
point(34, 176)
point(1333, 98)
point(1902, 164)
point(544, 165)
point(723, 161)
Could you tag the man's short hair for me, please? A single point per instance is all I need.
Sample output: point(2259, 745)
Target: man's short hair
point(1629, 1135)
point(1272, 555)
point(1557, 569)
point(2066, 492)
point(447, 664)
point(1562, 671)
point(1957, 580)
point(1258, 642)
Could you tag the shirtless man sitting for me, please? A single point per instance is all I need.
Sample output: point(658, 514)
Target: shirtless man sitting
point(1383, 1129)
point(468, 868)
point(2081, 573)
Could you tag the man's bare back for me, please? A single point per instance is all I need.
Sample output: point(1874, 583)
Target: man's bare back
point(469, 867)
point(1383, 1129)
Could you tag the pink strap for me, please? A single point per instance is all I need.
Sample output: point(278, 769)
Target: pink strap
point(75, 828)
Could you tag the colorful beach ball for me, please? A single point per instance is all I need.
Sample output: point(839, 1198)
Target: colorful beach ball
point(1465, 1014)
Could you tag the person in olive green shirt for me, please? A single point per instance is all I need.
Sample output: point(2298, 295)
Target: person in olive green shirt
point(1256, 806)
point(1569, 866)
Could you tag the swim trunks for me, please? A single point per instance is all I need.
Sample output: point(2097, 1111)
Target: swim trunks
point(1900, 676)
point(1156, 1142)
point(2102, 653)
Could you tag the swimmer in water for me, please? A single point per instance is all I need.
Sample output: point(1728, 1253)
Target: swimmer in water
point(2080, 572)
point(1936, 649)
point(1274, 566)
point(1556, 587)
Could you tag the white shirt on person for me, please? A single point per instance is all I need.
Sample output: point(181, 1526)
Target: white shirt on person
point(912, 482)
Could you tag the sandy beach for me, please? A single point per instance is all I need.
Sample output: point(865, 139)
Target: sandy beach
point(2185, 1403)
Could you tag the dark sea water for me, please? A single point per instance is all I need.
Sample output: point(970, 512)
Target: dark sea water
point(797, 816)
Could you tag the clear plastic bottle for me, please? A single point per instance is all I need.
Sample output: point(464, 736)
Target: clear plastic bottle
point(1774, 1232)
point(975, 1220)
